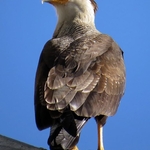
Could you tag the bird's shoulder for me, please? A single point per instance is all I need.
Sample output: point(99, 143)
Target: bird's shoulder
point(79, 54)
point(86, 46)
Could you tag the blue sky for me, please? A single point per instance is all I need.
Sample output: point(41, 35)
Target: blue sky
point(25, 27)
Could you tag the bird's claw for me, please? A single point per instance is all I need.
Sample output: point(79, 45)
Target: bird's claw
point(75, 148)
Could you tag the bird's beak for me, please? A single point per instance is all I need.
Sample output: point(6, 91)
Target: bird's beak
point(55, 1)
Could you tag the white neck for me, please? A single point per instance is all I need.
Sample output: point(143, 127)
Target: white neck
point(75, 12)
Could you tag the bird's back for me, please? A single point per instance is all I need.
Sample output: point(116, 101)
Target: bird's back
point(77, 79)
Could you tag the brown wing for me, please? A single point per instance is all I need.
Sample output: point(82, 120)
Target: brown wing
point(89, 77)
point(50, 52)
point(75, 80)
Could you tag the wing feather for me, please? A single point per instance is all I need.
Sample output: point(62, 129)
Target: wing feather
point(88, 76)
point(78, 100)
point(76, 80)
point(79, 80)
point(90, 80)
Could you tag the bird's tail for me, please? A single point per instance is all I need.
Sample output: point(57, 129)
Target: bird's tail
point(62, 138)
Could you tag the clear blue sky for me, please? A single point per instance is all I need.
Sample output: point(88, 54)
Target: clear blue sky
point(26, 25)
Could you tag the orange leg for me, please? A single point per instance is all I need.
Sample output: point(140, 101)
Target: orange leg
point(100, 136)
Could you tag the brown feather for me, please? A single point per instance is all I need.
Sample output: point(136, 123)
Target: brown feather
point(94, 5)
point(97, 68)
point(85, 77)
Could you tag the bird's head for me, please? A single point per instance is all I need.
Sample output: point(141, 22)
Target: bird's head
point(81, 10)
point(78, 3)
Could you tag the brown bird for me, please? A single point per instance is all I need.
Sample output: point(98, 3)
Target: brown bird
point(81, 74)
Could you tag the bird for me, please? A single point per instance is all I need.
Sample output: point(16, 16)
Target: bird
point(80, 75)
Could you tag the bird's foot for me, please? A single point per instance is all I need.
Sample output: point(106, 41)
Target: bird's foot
point(101, 148)
point(75, 148)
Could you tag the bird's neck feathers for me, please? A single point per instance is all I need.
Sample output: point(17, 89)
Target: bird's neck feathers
point(72, 16)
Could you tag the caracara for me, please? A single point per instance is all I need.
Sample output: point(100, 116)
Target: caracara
point(81, 74)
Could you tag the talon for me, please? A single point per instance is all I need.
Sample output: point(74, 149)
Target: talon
point(75, 148)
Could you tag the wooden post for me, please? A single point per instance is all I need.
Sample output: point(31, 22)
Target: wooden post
point(11, 144)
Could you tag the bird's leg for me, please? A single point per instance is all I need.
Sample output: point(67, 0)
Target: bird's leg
point(100, 120)
point(75, 148)
point(100, 136)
